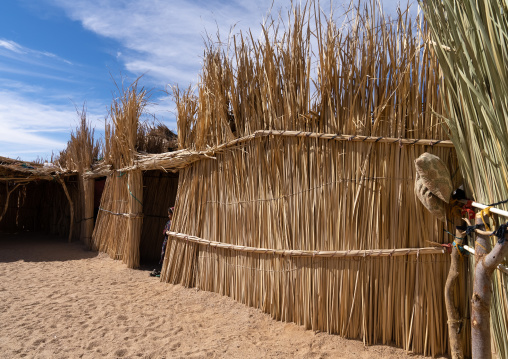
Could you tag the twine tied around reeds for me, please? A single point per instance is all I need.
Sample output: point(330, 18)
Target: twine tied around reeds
point(129, 215)
point(393, 252)
point(367, 103)
point(485, 212)
point(130, 192)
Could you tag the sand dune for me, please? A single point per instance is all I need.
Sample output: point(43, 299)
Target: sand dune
point(58, 300)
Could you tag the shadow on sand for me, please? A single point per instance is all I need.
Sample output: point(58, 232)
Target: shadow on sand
point(39, 247)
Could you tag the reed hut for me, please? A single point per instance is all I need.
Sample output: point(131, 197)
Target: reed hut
point(37, 197)
point(134, 204)
point(297, 195)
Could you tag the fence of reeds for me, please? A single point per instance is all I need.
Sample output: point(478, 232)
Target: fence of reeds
point(469, 38)
point(374, 77)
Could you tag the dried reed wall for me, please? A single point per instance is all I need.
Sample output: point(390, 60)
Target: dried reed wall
point(41, 206)
point(81, 152)
point(371, 77)
point(110, 233)
point(308, 194)
point(129, 223)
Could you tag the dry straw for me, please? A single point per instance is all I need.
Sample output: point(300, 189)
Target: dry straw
point(81, 152)
point(307, 193)
point(134, 205)
point(114, 233)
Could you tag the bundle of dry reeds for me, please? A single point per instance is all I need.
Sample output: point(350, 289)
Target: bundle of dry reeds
point(82, 149)
point(119, 223)
point(109, 234)
point(81, 152)
point(373, 79)
point(127, 228)
point(155, 138)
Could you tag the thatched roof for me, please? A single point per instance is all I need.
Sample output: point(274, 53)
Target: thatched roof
point(154, 142)
point(18, 171)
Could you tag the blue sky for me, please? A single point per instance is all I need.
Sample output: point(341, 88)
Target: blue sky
point(55, 55)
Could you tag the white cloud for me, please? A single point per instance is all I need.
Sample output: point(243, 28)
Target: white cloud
point(18, 50)
point(34, 125)
point(32, 72)
point(164, 39)
point(164, 110)
point(11, 46)
point(33, 128)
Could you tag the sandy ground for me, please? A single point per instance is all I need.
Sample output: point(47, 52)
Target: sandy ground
point(58, 300)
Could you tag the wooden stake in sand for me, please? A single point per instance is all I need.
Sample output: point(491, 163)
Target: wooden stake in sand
point(8, 194)
point(71, 207)
point(87, 222)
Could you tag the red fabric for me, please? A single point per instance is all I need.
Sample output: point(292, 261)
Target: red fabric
point(468, 211)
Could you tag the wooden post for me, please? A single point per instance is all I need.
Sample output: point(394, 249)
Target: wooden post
point(8, 194)
point(71, 205)
point(455, 322)
point(486, 262)
point(87, 222)
point(135, 224)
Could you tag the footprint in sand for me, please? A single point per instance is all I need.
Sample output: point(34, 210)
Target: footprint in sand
point(121, 353)
point(92, 345)
point(177, 330)
point(38, 342)
point(175, 346)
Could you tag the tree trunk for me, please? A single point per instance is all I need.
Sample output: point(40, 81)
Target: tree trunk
point(8, 194)
point(455, 322)
point(485, 265)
